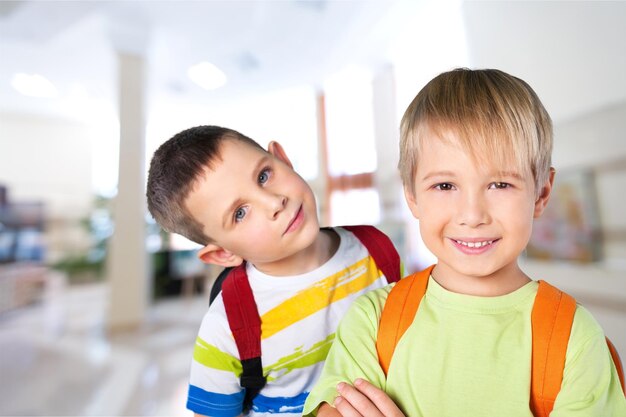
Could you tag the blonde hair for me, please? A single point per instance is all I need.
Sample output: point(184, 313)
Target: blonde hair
point(495, 117)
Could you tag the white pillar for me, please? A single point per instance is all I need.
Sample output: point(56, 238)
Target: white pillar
point(386, 132)
point(127, 267)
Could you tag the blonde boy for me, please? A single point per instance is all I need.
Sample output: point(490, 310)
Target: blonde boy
point(475, 156)
point(221, 189)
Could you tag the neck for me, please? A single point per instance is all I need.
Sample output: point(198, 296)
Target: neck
point(501, 282)
point(306, 260)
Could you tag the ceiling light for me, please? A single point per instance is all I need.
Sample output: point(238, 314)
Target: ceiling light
point(207, 75)
point(34, 85)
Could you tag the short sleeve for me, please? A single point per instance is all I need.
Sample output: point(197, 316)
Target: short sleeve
point(214, 387)
point(590, 385)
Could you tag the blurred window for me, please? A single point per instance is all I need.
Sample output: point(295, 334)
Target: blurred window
point(350, 147)
point(285, 116)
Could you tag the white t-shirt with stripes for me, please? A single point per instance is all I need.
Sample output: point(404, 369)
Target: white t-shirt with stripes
point(299, 316)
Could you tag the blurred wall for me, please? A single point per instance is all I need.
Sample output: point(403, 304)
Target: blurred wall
point(49, 160)
point(597, 142)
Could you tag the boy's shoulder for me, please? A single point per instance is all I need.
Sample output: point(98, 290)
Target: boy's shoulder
point(585, 325)
point(371, 303)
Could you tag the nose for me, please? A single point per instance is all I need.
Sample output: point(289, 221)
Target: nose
point(274, 203)
point(473, 210)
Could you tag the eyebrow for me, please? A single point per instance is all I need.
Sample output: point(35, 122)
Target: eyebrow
point(504, 174)
point(438, 174)
point(232, 206)
point(510, 174)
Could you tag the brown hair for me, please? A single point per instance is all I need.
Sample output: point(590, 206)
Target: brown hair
point(494, 115)
point(175, 167)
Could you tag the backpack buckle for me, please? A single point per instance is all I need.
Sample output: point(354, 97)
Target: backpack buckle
point(252, 375)
point(253, 381)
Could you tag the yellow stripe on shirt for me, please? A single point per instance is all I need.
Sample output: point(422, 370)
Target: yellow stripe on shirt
point(318, 297)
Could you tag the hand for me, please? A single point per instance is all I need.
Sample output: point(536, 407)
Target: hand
point(364, 399)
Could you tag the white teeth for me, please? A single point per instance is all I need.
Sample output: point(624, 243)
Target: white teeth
point(474, 244)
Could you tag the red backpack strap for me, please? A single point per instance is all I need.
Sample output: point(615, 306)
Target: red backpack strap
point(245, 323)
point(552, 318)
point(398, 314)
point(381, 248)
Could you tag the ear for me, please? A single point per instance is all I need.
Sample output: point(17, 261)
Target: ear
point(544, 195)
point(275, 149)
point(411, 202)
point(216, 255)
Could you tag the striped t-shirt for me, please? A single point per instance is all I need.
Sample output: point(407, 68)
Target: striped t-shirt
point(299, 316)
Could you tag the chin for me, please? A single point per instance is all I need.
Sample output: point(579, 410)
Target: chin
point(474, 269)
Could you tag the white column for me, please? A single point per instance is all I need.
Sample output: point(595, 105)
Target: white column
point(386, 131)
point(127, 267)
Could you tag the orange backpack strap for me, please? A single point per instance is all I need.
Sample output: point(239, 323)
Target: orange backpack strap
point(398, 313)
point(552, 318)
point(618, 363)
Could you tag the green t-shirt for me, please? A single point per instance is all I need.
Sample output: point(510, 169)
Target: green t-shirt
point(469, 356)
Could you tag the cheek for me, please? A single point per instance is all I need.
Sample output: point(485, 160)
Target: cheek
point(520, 221)
point(245, 244)
point(298, 185)
point(436, 212)
point(256, 230)
point(432, 224)
point(521, 208)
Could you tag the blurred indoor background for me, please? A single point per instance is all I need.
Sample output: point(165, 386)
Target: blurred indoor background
point(99, 308)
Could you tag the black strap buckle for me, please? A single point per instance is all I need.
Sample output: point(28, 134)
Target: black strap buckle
point(252, 379)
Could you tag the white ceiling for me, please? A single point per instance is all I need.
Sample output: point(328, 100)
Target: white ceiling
point(572, 53)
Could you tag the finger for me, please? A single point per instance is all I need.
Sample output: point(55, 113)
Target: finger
point(327, 410)
point(357, 401)
point(379, 398)
point(344, 407)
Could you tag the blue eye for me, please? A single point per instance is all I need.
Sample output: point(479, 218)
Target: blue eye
point(240, 213)
point(264, 176)
point(444, 186)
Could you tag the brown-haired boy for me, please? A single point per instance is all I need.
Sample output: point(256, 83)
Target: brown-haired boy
point(222, 190)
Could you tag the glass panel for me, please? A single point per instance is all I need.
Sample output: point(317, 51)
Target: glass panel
point(357, 206)
point(286, 116)
point(350, 123)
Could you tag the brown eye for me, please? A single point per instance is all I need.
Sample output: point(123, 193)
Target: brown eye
point(500, 185)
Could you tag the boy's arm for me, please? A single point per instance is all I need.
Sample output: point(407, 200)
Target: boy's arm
point(326, 410)
point(590, 384)
point(214, 388)
point(353, 353)
point(364, 399)
point(360, 399)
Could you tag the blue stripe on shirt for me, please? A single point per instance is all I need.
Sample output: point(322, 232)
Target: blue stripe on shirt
point(214, 404)
point(279, 405)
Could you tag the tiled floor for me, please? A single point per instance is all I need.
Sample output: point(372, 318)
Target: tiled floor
point(56, 359)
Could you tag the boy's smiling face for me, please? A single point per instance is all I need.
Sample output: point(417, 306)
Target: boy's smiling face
point(474, 217)
point(254, 206)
